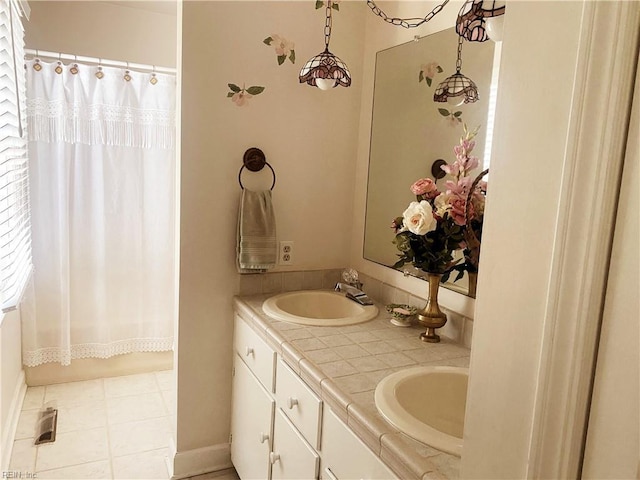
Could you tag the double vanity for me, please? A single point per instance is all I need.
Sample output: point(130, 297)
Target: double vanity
point(326, 388)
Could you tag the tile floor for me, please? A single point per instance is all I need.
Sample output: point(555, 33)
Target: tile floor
point(113, 428)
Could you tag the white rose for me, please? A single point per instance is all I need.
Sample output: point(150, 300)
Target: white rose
point(418, 218)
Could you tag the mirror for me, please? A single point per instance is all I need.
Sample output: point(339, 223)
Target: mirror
point(410, 131)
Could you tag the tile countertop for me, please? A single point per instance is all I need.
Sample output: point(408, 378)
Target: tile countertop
point(343, 365)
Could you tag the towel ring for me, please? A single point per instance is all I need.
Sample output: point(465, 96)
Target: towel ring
point(254, 160)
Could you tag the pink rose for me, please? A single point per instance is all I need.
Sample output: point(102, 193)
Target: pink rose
point(457, 212)
point(425, 186)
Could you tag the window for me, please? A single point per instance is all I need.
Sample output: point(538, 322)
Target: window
point(15, 228)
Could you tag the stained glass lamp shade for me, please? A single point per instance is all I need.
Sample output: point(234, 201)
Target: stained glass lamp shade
point(471, 22)
point(325, 70)
point(457, 88)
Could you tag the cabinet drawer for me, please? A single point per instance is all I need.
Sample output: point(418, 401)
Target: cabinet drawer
point(292, 457)
point(299, 403)
point(359, 462)
point(255, 353)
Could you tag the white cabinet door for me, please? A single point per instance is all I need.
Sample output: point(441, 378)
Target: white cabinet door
point(292, 457)
point(251, 424)
point(344, 456)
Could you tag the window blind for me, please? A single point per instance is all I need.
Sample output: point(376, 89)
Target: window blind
point(15, 225)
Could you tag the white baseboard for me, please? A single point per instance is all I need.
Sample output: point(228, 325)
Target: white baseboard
point(9, 430)
point(199, 461)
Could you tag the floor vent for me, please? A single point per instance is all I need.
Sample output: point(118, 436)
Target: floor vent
point(47, 424)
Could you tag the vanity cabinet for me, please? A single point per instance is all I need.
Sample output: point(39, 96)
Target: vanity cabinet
point(270, 408)
point(279, 429)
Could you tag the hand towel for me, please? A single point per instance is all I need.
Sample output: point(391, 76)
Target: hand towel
point(257, 246)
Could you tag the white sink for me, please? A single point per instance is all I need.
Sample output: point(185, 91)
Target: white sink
point(318, 308)
point(426, 403)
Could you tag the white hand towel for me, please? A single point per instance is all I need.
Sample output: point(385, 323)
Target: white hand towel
point(257, 246)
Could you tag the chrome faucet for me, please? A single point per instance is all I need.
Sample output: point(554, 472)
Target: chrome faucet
point(350, 277)
point(353, 293)
point(352, 288)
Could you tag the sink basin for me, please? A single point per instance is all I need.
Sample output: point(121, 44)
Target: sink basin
point(317, 308)
point(426, 403)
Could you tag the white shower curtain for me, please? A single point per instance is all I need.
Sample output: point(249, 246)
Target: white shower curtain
point(102, 179)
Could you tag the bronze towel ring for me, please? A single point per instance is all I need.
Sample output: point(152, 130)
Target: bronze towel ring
point(255, 160)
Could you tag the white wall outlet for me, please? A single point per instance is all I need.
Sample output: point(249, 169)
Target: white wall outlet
point(286, 252)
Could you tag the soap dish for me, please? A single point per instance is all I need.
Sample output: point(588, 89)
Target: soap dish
point(402, 315)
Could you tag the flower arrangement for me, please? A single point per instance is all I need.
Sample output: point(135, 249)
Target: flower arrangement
point(438, 223)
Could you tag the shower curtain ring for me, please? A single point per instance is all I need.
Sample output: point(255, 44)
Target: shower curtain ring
point(154, 79)
point(58, 68)
point(127, 77)
point(99, 73)
point(74, 68)
point(36, 64)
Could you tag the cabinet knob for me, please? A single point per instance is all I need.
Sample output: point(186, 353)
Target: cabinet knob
point(249, 351)
point(274, 457)
point(292, 402)
point(263, 437)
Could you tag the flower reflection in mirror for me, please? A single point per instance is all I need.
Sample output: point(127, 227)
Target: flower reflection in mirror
point(325, 70)
point(457, 89)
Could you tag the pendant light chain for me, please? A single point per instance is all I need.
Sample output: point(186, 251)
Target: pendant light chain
point(327, 26)
point(459, 59)
point(405, 22)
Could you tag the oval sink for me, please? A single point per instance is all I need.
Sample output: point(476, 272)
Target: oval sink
point(426, 403)
point(317, 308)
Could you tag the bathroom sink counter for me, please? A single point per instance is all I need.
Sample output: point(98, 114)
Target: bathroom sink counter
point(343, 365)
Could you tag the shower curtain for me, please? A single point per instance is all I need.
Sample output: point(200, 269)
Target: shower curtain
point(102, 184)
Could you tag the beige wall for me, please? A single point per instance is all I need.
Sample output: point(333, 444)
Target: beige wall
point(103, 30)
point(309, 139)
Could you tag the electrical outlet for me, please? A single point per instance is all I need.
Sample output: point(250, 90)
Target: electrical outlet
point(286, 252)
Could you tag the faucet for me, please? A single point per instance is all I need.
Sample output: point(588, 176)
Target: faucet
point(352, 288)
point(350, 277)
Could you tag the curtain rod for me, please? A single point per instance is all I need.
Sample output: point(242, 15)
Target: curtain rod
point(98, 61)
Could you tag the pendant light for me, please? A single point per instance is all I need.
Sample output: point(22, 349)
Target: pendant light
point(481, 20)
point(325, 70)
point(457, 89)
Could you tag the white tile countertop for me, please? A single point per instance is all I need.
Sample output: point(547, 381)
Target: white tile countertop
point(343, 365)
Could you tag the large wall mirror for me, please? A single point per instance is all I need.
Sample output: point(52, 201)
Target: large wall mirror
point(410, 131)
